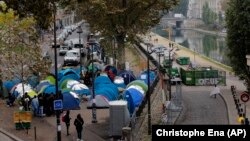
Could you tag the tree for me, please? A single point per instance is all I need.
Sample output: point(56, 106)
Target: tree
point(182, 7)
point(20, 53)
point(208, 16)
point(238, 37)
point(41, 10)
point(123, 20)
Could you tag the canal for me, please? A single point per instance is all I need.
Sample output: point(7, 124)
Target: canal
point(211, 46)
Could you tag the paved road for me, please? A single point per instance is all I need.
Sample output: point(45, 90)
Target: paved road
point(199, 108)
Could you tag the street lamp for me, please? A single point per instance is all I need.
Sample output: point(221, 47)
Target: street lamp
point(57, 94)
point(94, 120)
point(79, 31)
point(148, 44)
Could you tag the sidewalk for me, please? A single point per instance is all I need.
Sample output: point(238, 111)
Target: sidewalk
point(230, 79)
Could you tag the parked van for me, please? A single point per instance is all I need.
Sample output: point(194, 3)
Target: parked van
point(72, 57)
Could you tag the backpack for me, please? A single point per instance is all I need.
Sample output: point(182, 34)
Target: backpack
point(63, 117)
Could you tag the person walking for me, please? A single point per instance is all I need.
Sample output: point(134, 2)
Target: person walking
point(67, 121)
point(215, 91)
point(79, 122)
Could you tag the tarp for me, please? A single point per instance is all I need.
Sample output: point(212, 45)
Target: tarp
point(144, 76)
point(68, 71)
point(128, 76)
point(70, 101)
point(51, 89)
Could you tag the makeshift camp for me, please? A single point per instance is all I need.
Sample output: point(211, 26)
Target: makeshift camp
point(105, 88)
point(127, 76)
point(71, 101)
point(144, 76)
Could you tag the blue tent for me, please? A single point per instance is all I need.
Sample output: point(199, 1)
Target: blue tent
point(66, 72)
point(33, 80)
point(144, 76)
point(128, 76)
point(104, 87)
point(134, 98)
point(70, 101)
point(119, 82)
point(68, 77)
point(42, 84)
point(51, 89)
point(9, 84)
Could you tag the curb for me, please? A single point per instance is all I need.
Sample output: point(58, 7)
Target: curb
point(13, 137)
point(228, 117)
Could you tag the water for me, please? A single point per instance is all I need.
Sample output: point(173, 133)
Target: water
point(209, 45)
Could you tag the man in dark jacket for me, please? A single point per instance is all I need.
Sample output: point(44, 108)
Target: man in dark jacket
point(79, 126)
point(67, 121)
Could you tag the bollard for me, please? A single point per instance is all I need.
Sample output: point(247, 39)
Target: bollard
point(35, 132)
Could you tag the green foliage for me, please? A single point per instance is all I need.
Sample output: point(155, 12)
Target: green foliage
point(122, 19)
point(208, 16)
point(20, 54)
point(41, 10)
point(182, 7)
point(238, 37)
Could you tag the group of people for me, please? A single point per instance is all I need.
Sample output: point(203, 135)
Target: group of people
point(78, 122)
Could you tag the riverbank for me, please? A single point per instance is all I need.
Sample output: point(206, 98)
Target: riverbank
point(217, 33)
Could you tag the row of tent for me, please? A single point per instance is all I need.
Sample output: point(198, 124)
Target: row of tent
point(107, 87)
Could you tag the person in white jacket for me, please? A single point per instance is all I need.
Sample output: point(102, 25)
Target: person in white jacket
point(215, 91)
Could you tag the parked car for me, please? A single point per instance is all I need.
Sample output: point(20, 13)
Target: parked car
point(72, 57)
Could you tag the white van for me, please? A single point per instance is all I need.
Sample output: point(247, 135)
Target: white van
point(72, 57)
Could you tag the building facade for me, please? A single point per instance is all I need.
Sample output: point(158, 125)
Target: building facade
point(195, 8)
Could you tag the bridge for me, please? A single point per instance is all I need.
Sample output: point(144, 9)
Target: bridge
point(177, 22)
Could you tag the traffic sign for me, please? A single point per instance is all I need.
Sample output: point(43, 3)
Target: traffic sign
point(58, 105)
point(244, 96)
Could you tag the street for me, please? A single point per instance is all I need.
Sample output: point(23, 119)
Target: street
point(200, 108)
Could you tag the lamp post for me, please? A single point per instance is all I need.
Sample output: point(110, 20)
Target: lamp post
point(94, 120)
point(79, 31)
point(148, 92)
point(57, 94)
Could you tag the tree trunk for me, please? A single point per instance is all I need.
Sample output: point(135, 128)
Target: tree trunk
point(121, 52)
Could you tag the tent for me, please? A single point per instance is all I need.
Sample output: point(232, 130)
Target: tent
point(66, 72)
point(42, 84)
point(33, 80)
point(9, 84)
point(80, 89)
point(51, 79)
point(119, 82)
point(128, 76)
point(134, 96)
point(104, 87)
point(140, 83)
point(101, 102)
point(144, 76)
point(71, 101)
point(65, 78)
point(19, 89)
